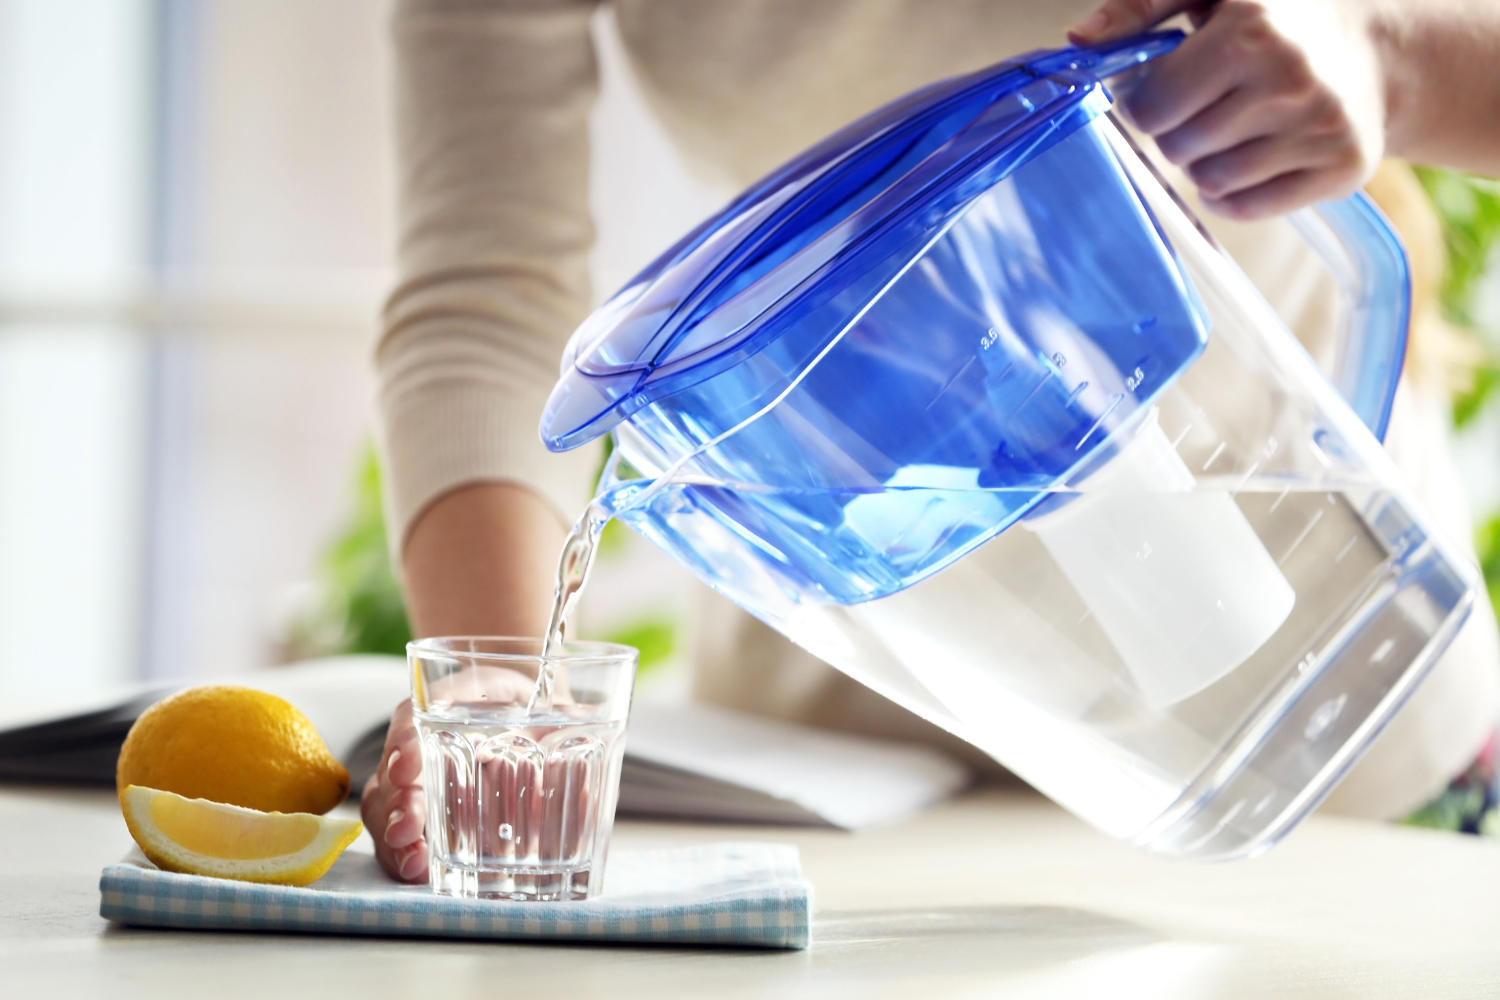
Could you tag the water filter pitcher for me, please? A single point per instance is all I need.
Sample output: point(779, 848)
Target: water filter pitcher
point(964, 401)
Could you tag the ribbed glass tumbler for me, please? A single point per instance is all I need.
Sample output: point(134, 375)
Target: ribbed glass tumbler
point(520, 761)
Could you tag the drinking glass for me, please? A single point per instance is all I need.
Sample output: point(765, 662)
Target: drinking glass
point(521, 777)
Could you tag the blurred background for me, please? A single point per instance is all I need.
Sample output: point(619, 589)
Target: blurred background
point(196, 231)
point(195, 239)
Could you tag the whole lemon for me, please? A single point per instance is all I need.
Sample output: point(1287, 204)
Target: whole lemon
point(233, 745)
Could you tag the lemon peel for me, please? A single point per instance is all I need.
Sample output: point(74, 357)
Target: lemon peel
point(200, 837)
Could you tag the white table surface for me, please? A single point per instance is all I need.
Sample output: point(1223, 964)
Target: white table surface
point(999, 894)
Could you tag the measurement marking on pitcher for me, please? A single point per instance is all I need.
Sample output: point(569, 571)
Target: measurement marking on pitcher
point(1244, 479)
point(1345, 550)
point(1114, 401)
point(1302, 537)
point(954, 378)
point(1051, 374)
point(1325, 716)
point(1217, 452)
point(1319, 454)
point(1280, 497)
point(1182, 434)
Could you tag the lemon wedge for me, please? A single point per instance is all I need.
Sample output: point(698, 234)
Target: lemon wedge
point(209, 838)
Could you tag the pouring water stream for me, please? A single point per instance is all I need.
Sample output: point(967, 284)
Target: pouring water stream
point(573, 567)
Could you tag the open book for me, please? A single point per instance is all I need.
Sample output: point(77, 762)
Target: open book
point(683, 761)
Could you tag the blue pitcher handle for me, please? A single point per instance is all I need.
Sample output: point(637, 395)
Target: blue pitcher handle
point(1368, 262)
point(1355, 242)
point(1116, 57)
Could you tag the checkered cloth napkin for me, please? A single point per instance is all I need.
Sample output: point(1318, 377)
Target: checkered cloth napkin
point(732, 894)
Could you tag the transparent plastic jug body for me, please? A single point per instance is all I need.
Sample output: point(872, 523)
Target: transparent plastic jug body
point(1064, 484)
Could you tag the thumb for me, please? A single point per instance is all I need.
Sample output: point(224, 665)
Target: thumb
point(1122, 18)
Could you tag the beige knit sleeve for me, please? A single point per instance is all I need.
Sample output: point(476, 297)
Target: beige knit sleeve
point(492, 105)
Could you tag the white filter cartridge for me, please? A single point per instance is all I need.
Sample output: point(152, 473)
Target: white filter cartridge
point(1178, 580)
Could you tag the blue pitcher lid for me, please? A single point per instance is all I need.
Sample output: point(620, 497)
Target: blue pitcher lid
point(708, 302)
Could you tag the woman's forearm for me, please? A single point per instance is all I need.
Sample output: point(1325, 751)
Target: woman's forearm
point(480, 561)
point(1441, 62)
point(492, 101)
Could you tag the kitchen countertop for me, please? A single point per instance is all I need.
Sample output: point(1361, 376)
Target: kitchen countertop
point(997, 894)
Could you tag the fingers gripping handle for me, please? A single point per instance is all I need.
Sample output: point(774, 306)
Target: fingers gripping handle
point(1354, 241)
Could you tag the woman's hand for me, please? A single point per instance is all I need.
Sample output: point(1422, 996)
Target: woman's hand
point(1268, 106)
point(393, 807)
